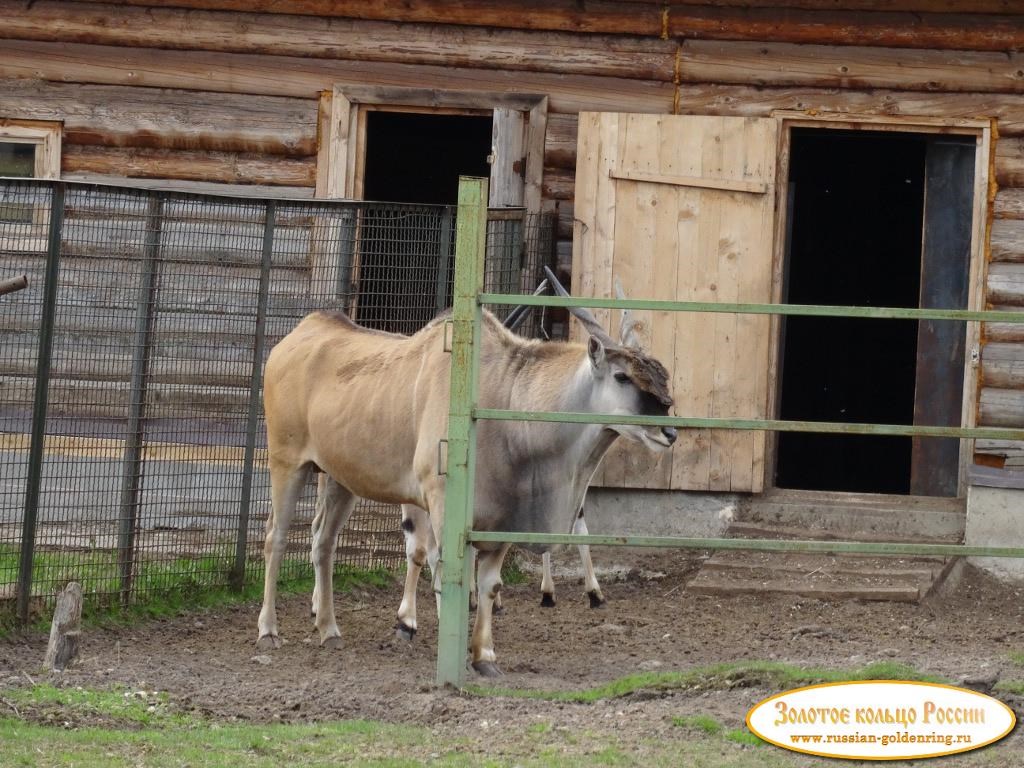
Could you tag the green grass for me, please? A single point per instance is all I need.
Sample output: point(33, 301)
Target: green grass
point(160, 587)
point(1015, 687)
point(704, 723)
point(772, 674)
point(1017, 658)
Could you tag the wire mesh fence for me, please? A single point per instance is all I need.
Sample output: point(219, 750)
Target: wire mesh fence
point(132, 445)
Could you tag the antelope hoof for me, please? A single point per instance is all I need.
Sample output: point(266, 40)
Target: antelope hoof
point(547, 600)
point(404, 632)
point(331, 643)
point(596, 600)
point(497, 610)
point(268, 642)
point(487, 669)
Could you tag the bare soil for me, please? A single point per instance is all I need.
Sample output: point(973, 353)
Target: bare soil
point(208, 664)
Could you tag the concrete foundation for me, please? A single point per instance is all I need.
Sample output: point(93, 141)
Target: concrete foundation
point(612, 511)
point(995, 518)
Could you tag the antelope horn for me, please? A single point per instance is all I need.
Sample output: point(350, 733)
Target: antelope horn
point(628, 327)
point(582, 314)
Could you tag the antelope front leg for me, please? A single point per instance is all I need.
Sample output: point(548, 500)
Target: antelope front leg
point(589, 577)
point(416, 528)
point(334, 506)
point(488, 585)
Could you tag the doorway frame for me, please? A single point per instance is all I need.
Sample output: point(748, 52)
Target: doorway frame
point(983, 130)
point(341, 130)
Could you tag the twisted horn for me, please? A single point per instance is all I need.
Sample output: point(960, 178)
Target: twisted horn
point(628, 327)
point(585, 316)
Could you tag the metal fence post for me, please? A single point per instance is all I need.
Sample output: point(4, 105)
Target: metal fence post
point(237, 577)
point(471, 230)
point(39, 404)
point(131, 461)
point(443, 267)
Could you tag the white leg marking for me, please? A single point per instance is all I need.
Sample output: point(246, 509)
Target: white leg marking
point(489, 584)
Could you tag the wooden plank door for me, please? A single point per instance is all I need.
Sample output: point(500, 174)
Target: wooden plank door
point(682, 207)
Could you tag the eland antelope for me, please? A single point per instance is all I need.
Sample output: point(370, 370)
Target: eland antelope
point(369, 410)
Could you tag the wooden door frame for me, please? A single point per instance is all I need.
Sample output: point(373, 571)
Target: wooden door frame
point(984, 130)
point(342, 128)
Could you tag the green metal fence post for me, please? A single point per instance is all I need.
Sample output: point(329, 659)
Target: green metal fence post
point(471, 229)
point(39, 406)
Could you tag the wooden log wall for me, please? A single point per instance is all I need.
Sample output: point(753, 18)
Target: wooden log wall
point(207, 93)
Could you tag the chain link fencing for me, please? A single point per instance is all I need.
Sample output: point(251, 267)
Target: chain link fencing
point(132, 443)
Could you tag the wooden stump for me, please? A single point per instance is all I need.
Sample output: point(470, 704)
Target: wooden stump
point(65, 630)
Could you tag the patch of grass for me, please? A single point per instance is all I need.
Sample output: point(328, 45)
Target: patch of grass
point(160, 587)
point(744, 737)
point(511, 570)
point(704, 723)
point(1015, 687)
point(711, 727)
point(1017, 658)
point(120, 707)
point(772, 674)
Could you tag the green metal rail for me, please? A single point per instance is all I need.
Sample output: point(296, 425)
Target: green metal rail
point(458, 534)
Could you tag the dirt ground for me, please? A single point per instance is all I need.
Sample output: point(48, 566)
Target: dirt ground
point(208, 664)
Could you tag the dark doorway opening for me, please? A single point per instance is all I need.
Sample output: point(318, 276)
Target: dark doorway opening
point(865, 213)
point(414, 157)
point(407, 257)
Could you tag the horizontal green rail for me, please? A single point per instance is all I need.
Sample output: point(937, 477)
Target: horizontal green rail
point(773, 425)
point(763, 545)
point(812, 310)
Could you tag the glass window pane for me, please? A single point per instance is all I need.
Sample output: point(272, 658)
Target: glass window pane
point(17, 158)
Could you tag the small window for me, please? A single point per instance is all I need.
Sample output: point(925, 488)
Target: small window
point(30, 149)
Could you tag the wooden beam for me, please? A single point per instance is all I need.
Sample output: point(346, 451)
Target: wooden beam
point(117, 116)
point(1001, 407)
point(744, 101)
point(223, 167)
point(333, 38)
point(1006, 284)
point(943, 31)
point(1007, 240)
point(595, 16)
point(1009, 204)
point(1002, 365)
point(846, 66)
point(560, 142)
point(306, 78)
point(1010, 162)
point(727, 185)
point(907, 23)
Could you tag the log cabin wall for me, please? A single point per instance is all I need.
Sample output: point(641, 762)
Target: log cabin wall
point(205, 93)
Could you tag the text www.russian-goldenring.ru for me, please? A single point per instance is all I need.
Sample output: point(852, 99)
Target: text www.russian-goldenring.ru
point(884, 740)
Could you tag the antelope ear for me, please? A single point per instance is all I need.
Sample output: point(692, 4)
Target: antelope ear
point(595, 350)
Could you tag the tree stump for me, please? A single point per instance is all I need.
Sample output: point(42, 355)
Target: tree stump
point(66, 629)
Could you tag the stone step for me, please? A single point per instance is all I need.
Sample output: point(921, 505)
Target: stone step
point(821, 576)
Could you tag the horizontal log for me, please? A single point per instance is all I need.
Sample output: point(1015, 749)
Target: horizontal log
point(221, 167)
point(1009, 204)
point(1003, 332)
point(291, 76)
point(1010, 162)
point(1010, 450)
point(845, 66)
point(914, 6)
point(559, 184)
point(944, 31)
point(566, 214)
point(761, 102)
point(596, 16)
point(1007, 240)
point(560, 141)
point(1006, 284)
point(332, 38)
point(1002, 366)
point(195, 187)
point(120, 116)
point(1001, 408)
point(918, 29)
